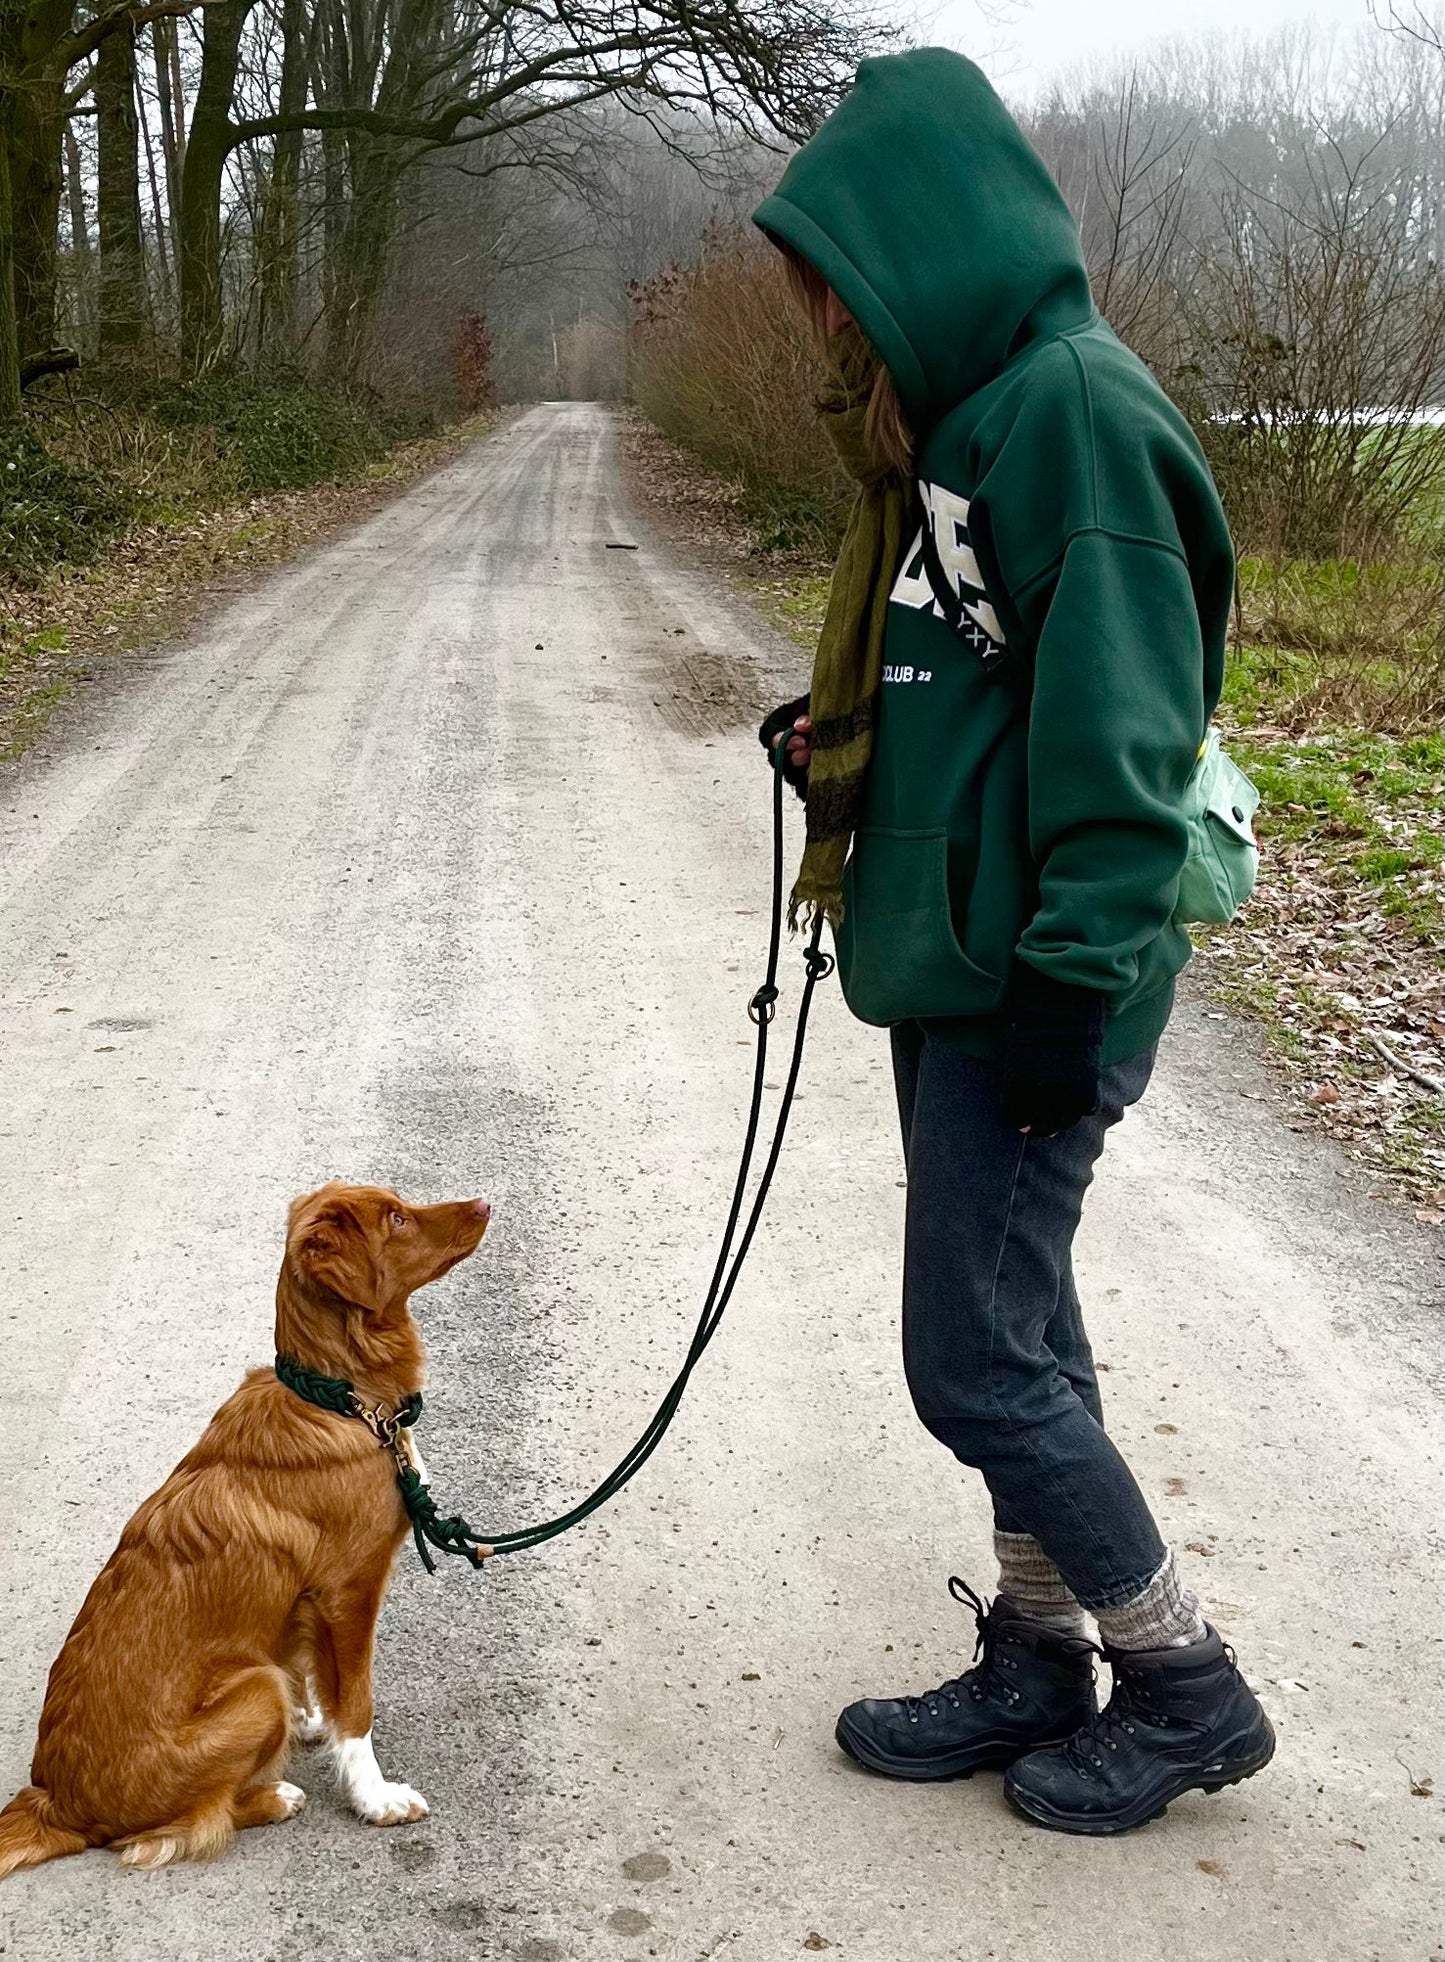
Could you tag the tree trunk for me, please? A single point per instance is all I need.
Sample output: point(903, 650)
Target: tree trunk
point(37, 124)
point(173, 113)
point(84, 288)
point(163, 242)
point(75, 200)
point(122, 258)
point(9, 347)
point(362, 254)
point(279, 237)
point(207, 148)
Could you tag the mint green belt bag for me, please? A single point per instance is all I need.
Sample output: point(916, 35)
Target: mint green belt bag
point(1219, 806)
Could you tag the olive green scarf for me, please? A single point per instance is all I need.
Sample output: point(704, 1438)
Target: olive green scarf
point(848, 666)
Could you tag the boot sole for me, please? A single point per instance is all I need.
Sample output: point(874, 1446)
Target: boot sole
point(960, 1764)
point(1103, 1827)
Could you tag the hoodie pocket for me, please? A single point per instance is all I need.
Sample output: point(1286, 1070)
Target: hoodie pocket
point(898, 955)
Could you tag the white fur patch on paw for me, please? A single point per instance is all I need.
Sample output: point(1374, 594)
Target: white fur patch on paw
point(150, 1853)
point(308, 1724)
point(393, 1805)
point(291, 1796)
point(370, 1796)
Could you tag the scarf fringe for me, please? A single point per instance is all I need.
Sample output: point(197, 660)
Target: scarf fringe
point(807, 900)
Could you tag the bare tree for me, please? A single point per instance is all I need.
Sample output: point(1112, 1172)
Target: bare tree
point(122, 313)
point(394, 79)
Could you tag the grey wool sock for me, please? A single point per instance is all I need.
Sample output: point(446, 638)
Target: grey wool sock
point(1165, 1616)
point(1029, 1581)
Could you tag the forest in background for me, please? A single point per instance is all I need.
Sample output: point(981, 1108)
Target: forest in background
point(250, 244)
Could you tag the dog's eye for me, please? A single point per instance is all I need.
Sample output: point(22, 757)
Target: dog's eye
point(399, 1220)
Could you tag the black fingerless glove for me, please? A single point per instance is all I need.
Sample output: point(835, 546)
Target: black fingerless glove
point(1050, 1054)
point(780, 723)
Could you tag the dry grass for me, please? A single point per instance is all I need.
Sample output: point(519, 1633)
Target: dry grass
point(723, 363)
point(1338, 641)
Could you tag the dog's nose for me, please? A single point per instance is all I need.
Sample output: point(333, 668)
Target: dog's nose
point(481, 1206)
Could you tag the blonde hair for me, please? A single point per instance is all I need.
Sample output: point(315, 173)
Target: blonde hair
point(888, 436)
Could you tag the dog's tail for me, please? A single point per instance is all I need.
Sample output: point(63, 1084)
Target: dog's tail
point(27, 1835)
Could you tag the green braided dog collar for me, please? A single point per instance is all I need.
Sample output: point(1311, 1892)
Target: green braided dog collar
point(341, 1399)
point(335, 1394)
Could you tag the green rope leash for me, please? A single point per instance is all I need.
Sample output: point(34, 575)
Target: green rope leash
point(428, 1528)
point(452, 1534)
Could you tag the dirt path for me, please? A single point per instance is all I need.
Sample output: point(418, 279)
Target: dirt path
point(441, 858)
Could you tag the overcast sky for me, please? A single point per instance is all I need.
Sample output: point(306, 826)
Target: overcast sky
point(1030, 40)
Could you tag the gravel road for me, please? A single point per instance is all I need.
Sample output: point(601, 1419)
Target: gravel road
point(440, 858)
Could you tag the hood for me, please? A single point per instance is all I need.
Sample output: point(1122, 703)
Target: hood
point(937, 225)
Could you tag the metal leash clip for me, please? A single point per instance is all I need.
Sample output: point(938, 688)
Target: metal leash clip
point(388, 1430)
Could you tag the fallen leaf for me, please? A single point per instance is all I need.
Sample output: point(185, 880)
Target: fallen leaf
point(1210, 1866)
point(815, 1940)
point(1420, 1786)
point(1167, 1430)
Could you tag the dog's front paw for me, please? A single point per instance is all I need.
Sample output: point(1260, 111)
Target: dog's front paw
point(390, 1805)
point(291, 1796)
point(370, 1796)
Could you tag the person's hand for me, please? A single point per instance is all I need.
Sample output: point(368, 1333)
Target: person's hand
point(800, 749)
point(790, 724)
point(1050, 1055)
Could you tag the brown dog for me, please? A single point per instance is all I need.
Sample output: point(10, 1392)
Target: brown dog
point(255, 1572)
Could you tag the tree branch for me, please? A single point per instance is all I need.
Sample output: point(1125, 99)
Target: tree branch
point(126, 14)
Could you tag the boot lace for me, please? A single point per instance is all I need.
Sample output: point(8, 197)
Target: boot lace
point(988, 1673)
point(1130, 1704)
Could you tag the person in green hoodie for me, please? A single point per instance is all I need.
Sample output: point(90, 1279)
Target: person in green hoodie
point(1022, 648)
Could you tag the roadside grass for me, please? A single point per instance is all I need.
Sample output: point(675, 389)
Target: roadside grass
point(1330, 703)
point(1334, 639)
point(795, 598)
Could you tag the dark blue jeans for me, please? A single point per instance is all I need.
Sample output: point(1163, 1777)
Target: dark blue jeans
point(994, 1346)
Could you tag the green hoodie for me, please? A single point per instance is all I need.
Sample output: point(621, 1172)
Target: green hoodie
point(1035, 815)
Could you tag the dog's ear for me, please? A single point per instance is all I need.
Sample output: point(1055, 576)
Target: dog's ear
point(332, 1252)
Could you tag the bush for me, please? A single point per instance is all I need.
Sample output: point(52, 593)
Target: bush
point(279, 438)
point(723, 363)
point(77, 469)
point(1324, 486)
point(473, 351)
point(50, 512)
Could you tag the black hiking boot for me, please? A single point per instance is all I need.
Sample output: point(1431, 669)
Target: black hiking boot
point(1029, 1686)
point(1179, 1720)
